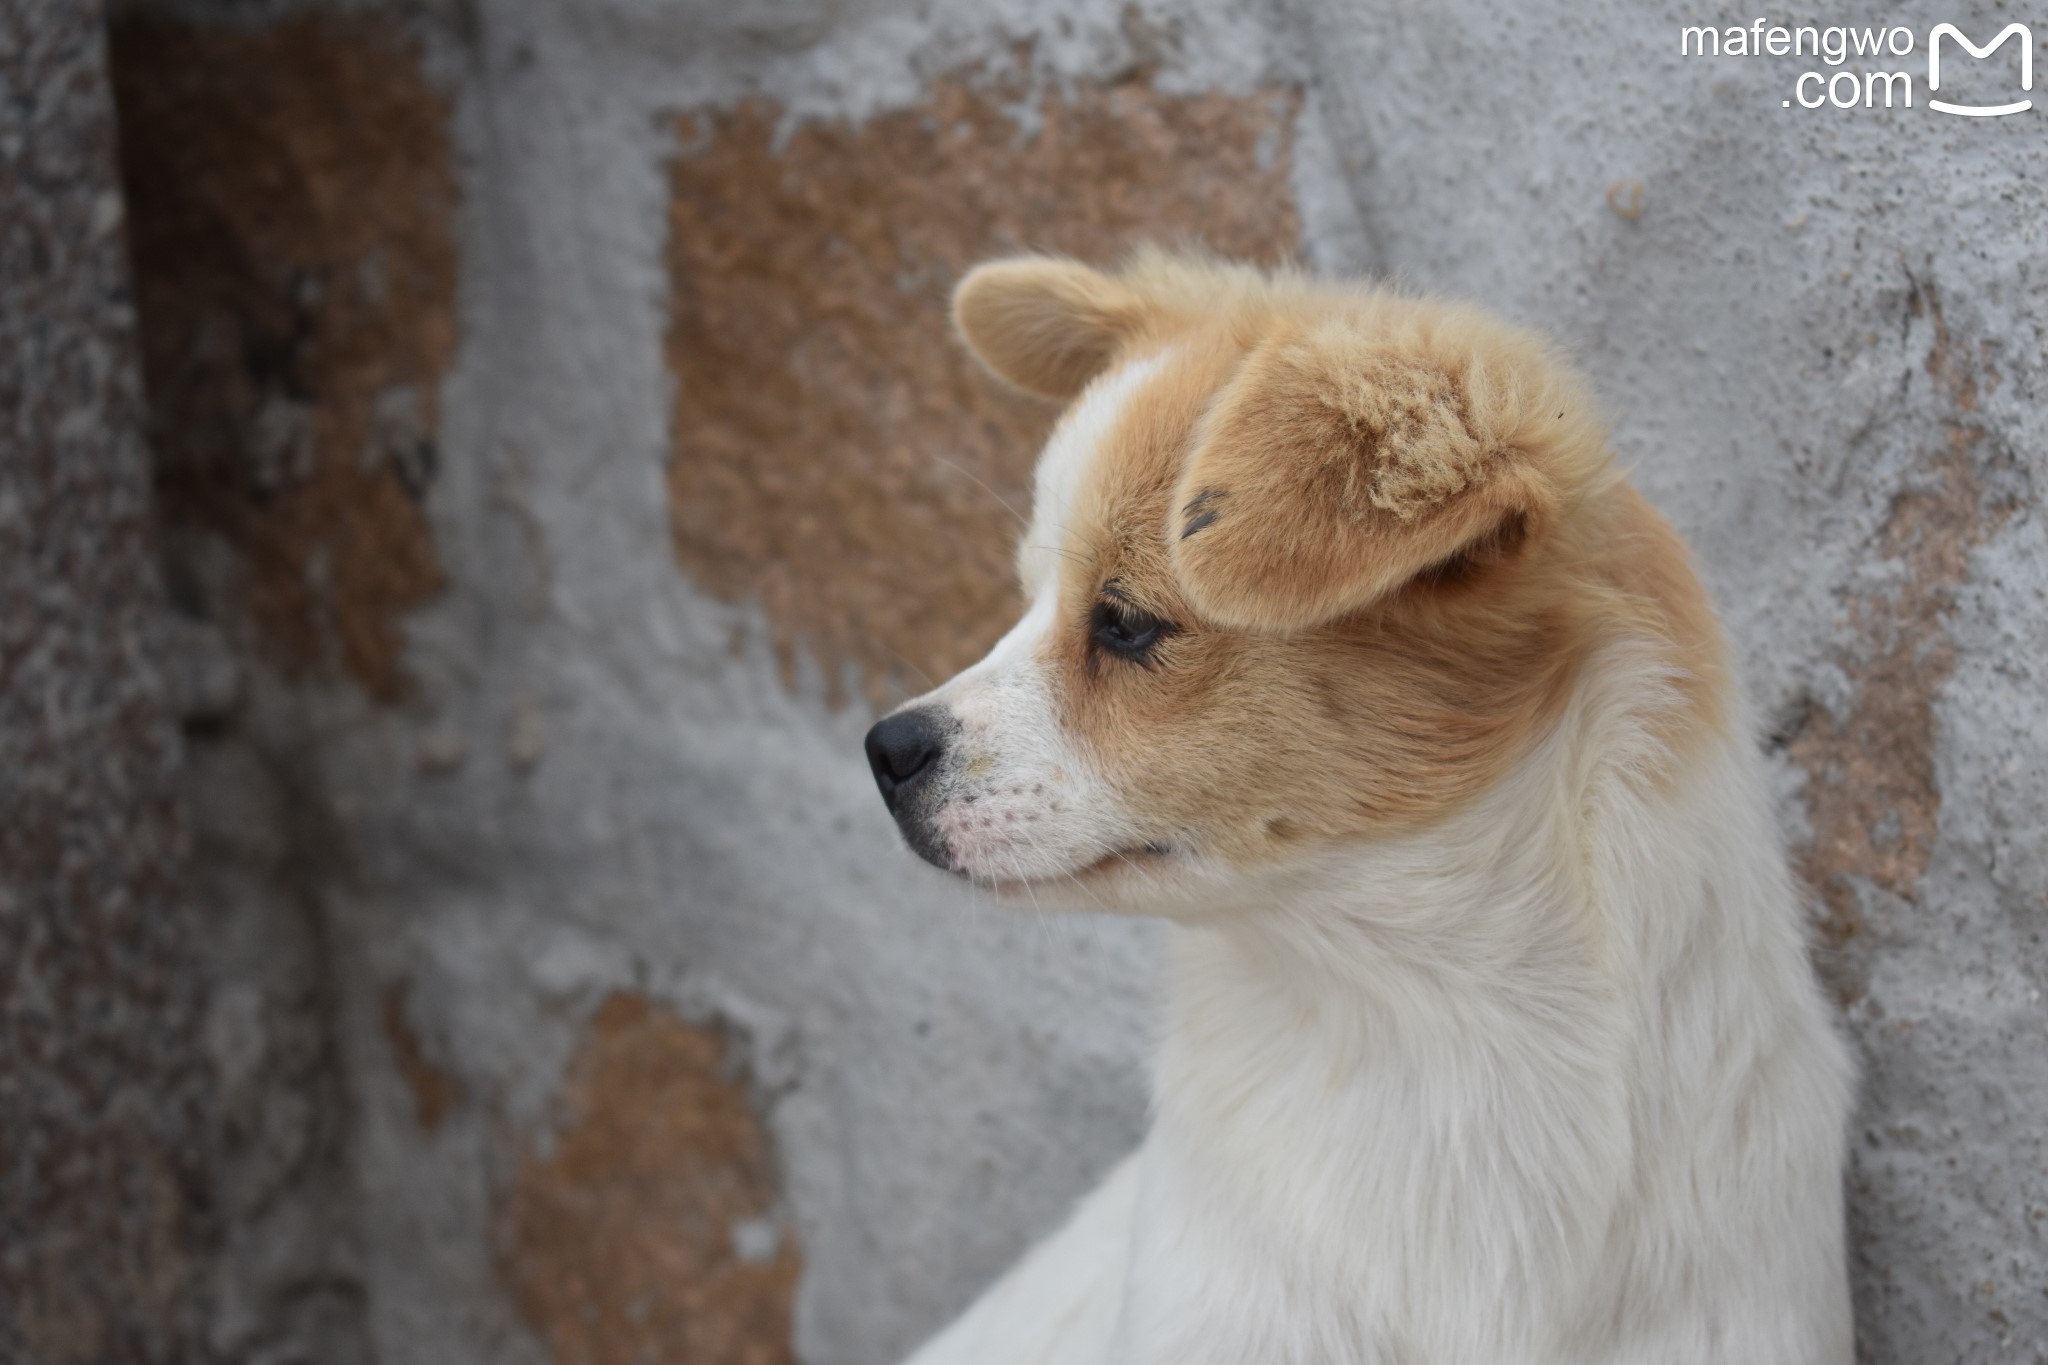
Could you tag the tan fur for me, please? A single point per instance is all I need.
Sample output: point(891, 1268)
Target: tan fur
point(1360, 446)
point(1415, 537)
point(1042, 324)
point(1661, 597)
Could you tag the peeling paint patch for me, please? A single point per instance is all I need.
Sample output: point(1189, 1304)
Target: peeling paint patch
point(436, 1091)
point(837, 458)
point(290, 201)
point(649, 1228)
point(1872, 795)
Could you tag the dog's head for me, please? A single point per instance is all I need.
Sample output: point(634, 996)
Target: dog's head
point(1306, 568)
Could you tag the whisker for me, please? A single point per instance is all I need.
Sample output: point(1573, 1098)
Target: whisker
point(923, 676)
point(1037, 910)
point(1001, 501)
point(1067, 555)
point(1088, 543)
point(1038, 847)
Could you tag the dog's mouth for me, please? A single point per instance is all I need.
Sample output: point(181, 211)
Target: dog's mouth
point(1135, 858)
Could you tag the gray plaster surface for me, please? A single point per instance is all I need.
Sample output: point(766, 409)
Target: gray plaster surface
point(105, 1168)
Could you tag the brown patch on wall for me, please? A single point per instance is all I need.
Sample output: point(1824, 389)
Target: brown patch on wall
point(290, 200)
point(1872, 796)
point(64, 1316)
point(838, 458)
point(624, 1239)
point(436, 1091)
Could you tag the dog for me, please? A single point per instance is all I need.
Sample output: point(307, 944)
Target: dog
point(1489, 1033)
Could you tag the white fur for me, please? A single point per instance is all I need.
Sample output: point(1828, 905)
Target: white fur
point(1020, 802)
point(1068, 454)
point(1550, 1084)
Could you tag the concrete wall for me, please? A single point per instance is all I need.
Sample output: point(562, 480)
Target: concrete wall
point(556, 422)
point(106, 1208)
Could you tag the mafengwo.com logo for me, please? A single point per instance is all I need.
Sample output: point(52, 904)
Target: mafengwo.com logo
point(1950, 55)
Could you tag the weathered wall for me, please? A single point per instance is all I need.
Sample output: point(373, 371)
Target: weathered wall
point(106, 1229)
point(556, 416)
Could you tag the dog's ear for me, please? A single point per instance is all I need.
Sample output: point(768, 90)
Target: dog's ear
point(1350, 455)
point(1043, 324)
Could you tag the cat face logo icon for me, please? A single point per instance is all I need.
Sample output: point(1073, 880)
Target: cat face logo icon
point(2026, 37)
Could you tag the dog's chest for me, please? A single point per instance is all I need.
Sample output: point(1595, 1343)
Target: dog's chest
point(1406, 1188)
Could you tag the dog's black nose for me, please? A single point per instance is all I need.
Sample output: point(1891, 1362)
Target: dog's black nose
point(901, 749)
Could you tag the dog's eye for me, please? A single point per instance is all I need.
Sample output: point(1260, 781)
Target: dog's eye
point(1127, 632)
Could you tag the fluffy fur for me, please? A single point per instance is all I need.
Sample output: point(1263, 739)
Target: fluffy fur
point(1490, 1036)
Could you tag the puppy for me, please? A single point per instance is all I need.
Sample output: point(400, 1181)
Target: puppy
point(1490, 1037)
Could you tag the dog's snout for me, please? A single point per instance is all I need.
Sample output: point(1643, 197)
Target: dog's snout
point(901, 748)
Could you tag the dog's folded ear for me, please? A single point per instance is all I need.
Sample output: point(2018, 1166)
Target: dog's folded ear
point(1044, 324)
point(1352, 454)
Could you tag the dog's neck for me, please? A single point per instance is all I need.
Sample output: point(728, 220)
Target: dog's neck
point(1479, 914)
point(1455, 1020)
point(1392, 958)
